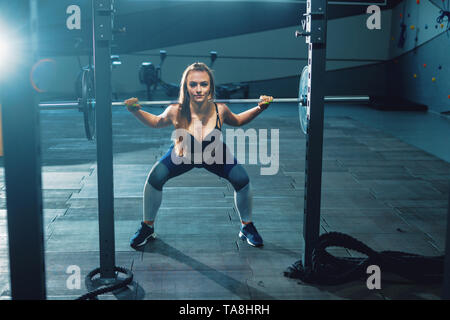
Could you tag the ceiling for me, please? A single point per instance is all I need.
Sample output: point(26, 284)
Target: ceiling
point(159, 24)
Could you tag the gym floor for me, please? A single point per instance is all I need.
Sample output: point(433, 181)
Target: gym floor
point(383, 183)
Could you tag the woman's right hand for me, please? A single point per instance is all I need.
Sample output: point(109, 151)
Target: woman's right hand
point(132, 104)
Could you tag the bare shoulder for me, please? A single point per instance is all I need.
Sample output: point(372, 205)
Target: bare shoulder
point(223, 108)
point(174, 107)
point(224, 111)
point(173, 110)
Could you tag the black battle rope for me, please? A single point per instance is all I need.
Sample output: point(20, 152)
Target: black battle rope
point(91, 295)
point(327, 269)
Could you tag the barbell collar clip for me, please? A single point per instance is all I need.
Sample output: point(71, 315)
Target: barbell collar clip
point(302, 34)
point(314, 15)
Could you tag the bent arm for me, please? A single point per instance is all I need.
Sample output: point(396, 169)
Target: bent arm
point(237, 120)
point(245, 117)
point(147, 118)
point(152, 120)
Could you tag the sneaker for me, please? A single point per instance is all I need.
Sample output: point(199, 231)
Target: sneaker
point(248, 232)
point(144, 233)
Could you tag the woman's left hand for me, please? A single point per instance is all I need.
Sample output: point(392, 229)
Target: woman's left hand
point(264, 102)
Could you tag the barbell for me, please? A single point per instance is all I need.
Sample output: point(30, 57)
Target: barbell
point(86, 104)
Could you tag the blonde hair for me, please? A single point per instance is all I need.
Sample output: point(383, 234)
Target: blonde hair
point(183, 97)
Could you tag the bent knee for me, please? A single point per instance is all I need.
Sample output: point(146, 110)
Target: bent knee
point(238, 177)
point(158, 176)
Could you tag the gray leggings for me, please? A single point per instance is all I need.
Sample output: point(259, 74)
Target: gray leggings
point(160, 174)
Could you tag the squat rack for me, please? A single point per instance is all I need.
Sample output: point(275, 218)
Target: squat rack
point(23, 163)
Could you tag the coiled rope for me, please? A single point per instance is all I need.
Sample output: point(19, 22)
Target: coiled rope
point(92, 295)
point(327, 269)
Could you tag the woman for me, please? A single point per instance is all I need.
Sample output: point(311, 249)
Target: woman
point(198, 120)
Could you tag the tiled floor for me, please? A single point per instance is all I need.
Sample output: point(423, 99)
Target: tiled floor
point(378, 186)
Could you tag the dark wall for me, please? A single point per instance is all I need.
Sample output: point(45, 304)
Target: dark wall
point(365, 80)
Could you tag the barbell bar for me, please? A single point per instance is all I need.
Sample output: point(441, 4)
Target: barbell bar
point(76, 105)
point(59, 105)
point(86, 103)
point(244, 101)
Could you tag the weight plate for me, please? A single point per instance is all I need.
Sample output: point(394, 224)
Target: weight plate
point(87, 103)
point(303, 109)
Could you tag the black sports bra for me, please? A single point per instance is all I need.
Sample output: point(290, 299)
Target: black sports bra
point(205, 141)
point(218, 119)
